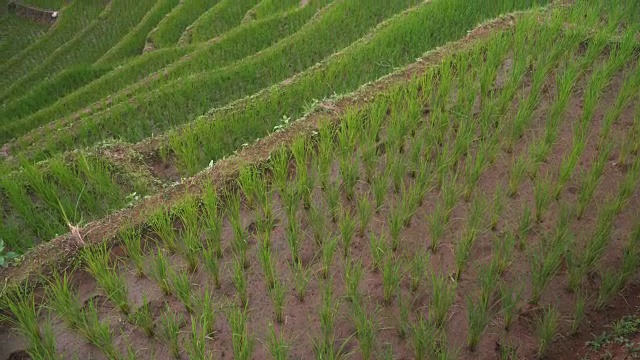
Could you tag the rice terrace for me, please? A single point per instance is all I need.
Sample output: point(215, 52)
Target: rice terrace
point(319, 179)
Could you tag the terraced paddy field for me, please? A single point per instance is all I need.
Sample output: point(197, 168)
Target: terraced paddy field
point(322, 179)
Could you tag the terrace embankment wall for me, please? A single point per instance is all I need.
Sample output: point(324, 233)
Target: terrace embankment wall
point(33, 13)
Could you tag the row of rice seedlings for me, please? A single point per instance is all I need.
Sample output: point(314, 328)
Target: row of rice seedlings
point(38, 333)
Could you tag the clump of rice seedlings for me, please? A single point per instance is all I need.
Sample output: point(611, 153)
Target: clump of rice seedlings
point(517, 174)
point(132, 240)
point(160, 271)
point(304, 181)
point(190, 245)
point(365, 330)
point(627, 186)
point(503, 251)
point(397, 169)
point(280, 168)
point(417, 268)
point(204, 303)
point(437, 226)
point(170, 325)
point(332, 196)
point(97, 332)
point(97, 262)
point(278, 345)
point(524, 226)
point(395, 226)
point(379, 186)
point(474, 169)
point(324, 348)
point(592, 180)
point(365, 213)
point(162, 224)
point(278, 293)
point(240, 281)
point(542, 196)
point(349, 174)
point(378, 248)
point(578, 312)
point(266, 262)
point(569, 163)
point(64, 301)
point(390, 278)
point(196, 346)
point(239, 244)
point(497, 207)
point(611, 283)
point(212, 264)
point(294, 238)
point(546, 329)
point(424, 338)
point(545, 263)
point(347, 225)
point(353, 272)
point(213, 220)
point(509, 299)
point(404, 306)
point(324, 155)
point(317, 222)
point(248, 179)
point(143, 318)
point(241, 340)
point(478, 318)
point(181, 287)
point(443, 292)
point(301, 276)
point(328, 250)
point(40, 338)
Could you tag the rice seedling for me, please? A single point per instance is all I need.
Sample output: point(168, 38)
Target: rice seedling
point(443, 292)
point(162, 224)
point(241, 340)
point(365, 329)
point(97, 332)
point(324, 155)
point(395, 225)
point(503, 251)
point(114, 285)
point(437, 226)
point(239, 244)
point(294, 238)
point(170, 324)
point(317, 222)
point(390, 278)
point(424, 339)
point(196, 345)
point(379, 186)
point(181, 287)
point(378, 248)
point(278, 345)
point(160, 272)
point(591, 180)
point(546, 329)
point(353, 272)
point(497, 207)
point(332, 196)
point(205, 304)
point(478, 318)
point(347, 225)
point(190, 246)
point(569, 163)
point(404, 306)
point(509, 300)
point(578, 312)
point(143, 317)
point(328, 313)
point(64, 301)
point(611, 282)
point(278, 293)
point(301, 277)
point(213, 220)
point(417, 267)
point(545, 263)
point(240, 281)
point(211, 264)
point(542, 196)
point(349, 174)
point(131, 238)
point(397, 170)
point(304, 181)
point(266, 262)
point(524, 226)
point(517, 174)
point(39, 336)
point(365, 213)
point(328, 250)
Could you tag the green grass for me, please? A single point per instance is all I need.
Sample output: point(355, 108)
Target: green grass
point(222, 17)
point(17, 34)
